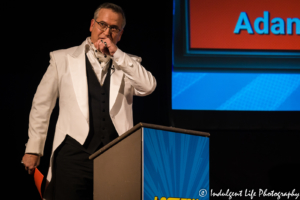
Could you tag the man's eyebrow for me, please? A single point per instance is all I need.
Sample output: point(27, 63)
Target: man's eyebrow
point(115, 26)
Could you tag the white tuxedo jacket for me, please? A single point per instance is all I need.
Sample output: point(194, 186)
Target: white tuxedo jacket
point(66, 79)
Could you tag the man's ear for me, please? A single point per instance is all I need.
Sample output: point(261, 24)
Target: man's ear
point(92, 24)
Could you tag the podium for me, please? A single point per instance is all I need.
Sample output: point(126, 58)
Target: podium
point(153, 162)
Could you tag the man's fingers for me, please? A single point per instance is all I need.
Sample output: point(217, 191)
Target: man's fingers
point(103, 48)
point(98, 46)
point(30, 161)
point(109, 46)
point(30, 171)
point(106, 42)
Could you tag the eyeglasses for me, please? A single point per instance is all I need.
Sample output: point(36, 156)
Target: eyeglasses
point(103, 26)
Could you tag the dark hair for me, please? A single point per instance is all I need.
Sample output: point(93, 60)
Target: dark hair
point(114, 8)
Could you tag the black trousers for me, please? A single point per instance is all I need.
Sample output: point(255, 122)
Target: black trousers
point(72, 174)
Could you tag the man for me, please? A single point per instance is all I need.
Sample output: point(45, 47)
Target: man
point(95, 83)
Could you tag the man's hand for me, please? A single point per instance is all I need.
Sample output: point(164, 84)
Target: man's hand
point(31, 161)
point(106, 46)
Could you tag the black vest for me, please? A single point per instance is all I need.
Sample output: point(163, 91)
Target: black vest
point(102, 130)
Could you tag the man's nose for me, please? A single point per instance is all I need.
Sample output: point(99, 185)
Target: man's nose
point(107, 31)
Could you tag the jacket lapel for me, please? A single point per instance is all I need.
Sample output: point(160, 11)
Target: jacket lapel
point(115, 100)
point(76, 64)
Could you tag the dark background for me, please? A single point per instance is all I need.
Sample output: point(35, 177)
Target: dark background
point(259, 158)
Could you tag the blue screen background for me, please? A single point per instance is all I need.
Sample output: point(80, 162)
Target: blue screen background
point(235, 91)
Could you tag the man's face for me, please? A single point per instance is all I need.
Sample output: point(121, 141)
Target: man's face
point(111, 18)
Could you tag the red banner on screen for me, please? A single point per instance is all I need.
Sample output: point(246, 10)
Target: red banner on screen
point(213, 22)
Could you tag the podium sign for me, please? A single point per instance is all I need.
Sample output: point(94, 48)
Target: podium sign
point(152, 162)
point(175, 165)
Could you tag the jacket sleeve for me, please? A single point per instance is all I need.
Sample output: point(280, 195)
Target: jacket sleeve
point(43, 103)
point(142, 80)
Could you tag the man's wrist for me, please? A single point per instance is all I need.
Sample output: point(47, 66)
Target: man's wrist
point(118, 55)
